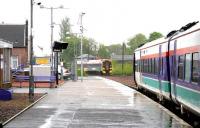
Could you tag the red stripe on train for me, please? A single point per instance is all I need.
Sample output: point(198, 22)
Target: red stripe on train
point(178, 52)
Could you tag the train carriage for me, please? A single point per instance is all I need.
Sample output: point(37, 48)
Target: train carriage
point(170, 68)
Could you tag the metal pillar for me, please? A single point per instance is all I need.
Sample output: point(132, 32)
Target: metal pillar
point(31, 84)
point(52, 58)
point(81, 28)
point(56, 67)
point(123, 46)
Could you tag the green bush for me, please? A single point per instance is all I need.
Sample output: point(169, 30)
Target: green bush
point(79, 72)
point(117, 68)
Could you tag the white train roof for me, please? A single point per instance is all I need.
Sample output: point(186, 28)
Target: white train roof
point(164, 39)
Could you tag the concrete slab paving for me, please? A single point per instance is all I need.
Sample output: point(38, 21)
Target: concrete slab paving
point(96, 103)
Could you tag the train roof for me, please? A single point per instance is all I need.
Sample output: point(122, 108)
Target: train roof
point(164, 39)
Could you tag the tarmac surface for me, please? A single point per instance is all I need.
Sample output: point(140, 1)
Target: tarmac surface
point(95, 103)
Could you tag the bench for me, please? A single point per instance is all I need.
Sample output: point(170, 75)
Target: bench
point(21, 79)
point(49, 79)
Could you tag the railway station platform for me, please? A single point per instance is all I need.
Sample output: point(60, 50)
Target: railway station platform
point(96, 103)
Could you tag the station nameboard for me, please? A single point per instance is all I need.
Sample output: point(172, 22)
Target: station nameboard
point(44, 60)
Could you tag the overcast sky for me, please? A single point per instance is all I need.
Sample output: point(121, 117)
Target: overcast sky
point(106, 21)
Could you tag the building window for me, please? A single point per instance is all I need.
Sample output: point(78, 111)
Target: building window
point(195, 67)
point(180, 66)
point(187, 67)
point(14, 62)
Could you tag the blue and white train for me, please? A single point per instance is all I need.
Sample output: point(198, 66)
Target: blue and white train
point(170, 67)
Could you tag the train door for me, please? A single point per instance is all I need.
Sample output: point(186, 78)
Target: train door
point(173, 67)
point(160, 72)
point(137, 67)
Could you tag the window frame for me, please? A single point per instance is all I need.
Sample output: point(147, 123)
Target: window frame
point(190, 68)
point(196, 83)
point(183, 73)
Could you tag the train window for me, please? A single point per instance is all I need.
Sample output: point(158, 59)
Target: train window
point(156, 66)
point(180, 66)
point(142, 66)
point(195, 76)
point(145, 66)
point(136, 66)
point(150, 65)
point(153, 66)
point(187, 67)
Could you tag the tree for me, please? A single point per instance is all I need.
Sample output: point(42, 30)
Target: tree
point(115, 49)
point(136, 41)
point(154, 36)
point(103, 52)
point(74, 45)
point(65, 28)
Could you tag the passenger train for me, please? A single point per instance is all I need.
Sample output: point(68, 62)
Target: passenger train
point(170, 67)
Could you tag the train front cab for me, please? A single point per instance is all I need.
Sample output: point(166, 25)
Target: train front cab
point(106, 67)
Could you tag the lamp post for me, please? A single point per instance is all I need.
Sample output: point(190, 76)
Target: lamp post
point(54, 63)
point(81, 28)
point(123, 50)
point(31, 85)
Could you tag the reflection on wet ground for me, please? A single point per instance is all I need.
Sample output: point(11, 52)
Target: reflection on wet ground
point(97, 103)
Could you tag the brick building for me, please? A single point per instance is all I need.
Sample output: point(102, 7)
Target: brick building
point(18, 34)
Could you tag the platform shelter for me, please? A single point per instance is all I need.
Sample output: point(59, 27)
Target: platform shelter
point(5, 64)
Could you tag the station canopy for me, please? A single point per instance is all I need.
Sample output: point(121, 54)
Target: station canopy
point(5, 44)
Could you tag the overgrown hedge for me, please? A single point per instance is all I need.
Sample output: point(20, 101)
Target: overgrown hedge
point(117, 68)
point(79, 72)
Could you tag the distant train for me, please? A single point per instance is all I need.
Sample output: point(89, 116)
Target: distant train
point(103, 67)
point(170, 67)
point(106, 67)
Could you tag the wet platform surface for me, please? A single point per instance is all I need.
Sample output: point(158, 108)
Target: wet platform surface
point(96, 103)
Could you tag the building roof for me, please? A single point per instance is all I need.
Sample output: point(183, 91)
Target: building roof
point(85, 56)
point(119, 57)
point(14, 33)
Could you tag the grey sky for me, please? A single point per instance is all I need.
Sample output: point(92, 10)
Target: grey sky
point(106, 21)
